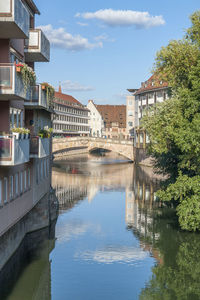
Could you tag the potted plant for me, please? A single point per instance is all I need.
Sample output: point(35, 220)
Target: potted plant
point(27, 133)
point(19, 67)
point(16, 132)
point(49, 91)
point(28, 75)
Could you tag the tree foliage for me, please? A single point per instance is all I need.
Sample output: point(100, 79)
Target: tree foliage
point(174, 126)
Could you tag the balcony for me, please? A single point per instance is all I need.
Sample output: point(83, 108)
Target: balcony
point(38, 98)
point(37, 47)
point(39, 147)
point(14, 20)
point(11, 84)
point(13, 151)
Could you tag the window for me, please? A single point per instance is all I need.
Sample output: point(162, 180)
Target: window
point(29, 178)
point(16, 184)
point(21, 182)
point(130, 123)
point(25, 180)
point(5, 190)
point(11, 188)
point(130, 113)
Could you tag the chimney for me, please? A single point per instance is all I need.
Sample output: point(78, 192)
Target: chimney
point(60, 89)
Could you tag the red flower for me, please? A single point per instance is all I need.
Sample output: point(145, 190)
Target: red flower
point(20, 65)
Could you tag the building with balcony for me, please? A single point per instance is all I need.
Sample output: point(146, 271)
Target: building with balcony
point(70, 117)
point(151, 92)
point(25, 115)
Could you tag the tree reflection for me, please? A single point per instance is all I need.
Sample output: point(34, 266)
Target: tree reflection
point(178, 276)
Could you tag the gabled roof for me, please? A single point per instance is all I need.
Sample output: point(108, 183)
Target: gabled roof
point(68, 100)
point(152, 84)
point(113, 113)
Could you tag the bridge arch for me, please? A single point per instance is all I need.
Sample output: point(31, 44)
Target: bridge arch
point(122, 147)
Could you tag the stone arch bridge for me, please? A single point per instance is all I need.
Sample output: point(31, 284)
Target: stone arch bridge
point(87, 144)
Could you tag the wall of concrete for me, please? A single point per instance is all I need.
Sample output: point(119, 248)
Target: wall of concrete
point(41, 216)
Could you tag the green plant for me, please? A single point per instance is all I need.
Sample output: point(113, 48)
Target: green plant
point(28, 76)
point(50, 93)
point(45, 133)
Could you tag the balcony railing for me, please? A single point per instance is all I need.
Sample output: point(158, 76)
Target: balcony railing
point(13, 151)
point(37, 47)
point(12, 85)
point(38, 98)
point(39, 147)
point(14, 19)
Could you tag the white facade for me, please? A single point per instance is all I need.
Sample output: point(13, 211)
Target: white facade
point(96, 122)
point(130, 115)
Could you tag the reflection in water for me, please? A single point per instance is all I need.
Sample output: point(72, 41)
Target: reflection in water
point(118, 242)
point(28, 273)
point(175, 274)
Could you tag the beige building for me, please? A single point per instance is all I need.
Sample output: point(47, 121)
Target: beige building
point(131, 113)
point(70, 117)
point(151, 92)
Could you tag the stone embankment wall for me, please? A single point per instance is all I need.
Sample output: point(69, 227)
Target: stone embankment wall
point(41, 216)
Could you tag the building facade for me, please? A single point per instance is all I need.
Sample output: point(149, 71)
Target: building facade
point(131, 113)
point(70, 117)
point(108, 121)
point(25, 114)
point(96, 121)
point(151, 92)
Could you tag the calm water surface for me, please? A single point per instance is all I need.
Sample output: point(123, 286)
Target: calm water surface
point(113, 240)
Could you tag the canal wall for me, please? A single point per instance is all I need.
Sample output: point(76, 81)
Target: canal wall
point(142, 157)
point(41, 216)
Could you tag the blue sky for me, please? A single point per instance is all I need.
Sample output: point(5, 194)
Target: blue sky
point(101, 48)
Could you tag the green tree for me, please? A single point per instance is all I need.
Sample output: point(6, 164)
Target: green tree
point(174, 126)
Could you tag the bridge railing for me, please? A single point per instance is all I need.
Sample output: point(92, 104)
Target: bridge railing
point(95, 139)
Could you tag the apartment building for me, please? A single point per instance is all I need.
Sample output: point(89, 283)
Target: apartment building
point(25, 113)
point(151, 92)
point(70, 117)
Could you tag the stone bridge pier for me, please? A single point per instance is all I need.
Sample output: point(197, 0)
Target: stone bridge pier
point(123, 147)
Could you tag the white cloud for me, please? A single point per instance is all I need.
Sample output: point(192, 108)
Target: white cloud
point(114, 18)
point(68, 85)
point(60, 38)
point(82, 24)
point(104, 37)
point(110, 255)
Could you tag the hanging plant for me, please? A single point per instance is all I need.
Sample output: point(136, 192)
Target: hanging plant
point(50, 93)
point(28, 75)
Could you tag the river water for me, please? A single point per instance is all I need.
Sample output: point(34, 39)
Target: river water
point(113, 239)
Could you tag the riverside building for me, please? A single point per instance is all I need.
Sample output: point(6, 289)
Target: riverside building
point(151, 92)
point(70, 117)
point(108, 121)
point(25, 117)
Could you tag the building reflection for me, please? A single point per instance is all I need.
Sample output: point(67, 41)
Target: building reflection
point(72, 184)
point(140, 202)
point(31, 259)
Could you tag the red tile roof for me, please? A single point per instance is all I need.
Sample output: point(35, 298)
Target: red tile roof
point(113, 113)
point(147, 85)
point(67, 99)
